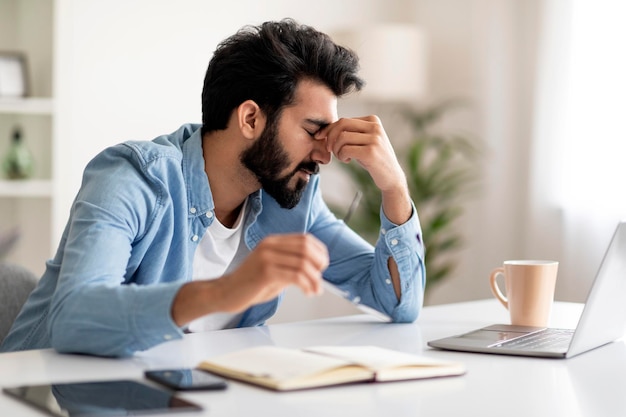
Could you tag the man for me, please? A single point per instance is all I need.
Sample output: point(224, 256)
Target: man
point(204, 228)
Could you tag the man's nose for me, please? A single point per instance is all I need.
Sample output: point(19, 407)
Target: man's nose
point(320, 154)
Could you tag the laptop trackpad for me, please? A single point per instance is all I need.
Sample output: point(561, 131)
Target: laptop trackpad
point(499, 333)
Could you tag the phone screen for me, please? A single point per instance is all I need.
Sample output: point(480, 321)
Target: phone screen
point(102, 398)
point(187, 379)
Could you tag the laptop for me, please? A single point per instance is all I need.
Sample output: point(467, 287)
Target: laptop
point(602, 321)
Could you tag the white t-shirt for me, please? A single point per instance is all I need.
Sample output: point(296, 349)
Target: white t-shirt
point(220, 250)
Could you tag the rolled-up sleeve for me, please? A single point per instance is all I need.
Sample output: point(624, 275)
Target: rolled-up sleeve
point(362, 271)
point(404, 244)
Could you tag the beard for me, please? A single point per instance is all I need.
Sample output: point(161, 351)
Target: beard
point(267, 158)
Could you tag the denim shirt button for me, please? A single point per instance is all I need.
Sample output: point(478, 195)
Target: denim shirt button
point(192, 210)
point(209, 214)
point(194, 238)
point(167, 336)
point(394, 242)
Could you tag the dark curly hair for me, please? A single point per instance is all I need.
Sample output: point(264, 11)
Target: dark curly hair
point(265, 63)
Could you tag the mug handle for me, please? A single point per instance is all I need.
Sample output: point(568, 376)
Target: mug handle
point(495, 289)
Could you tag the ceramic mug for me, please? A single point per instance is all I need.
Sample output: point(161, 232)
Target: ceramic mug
point(529, 287)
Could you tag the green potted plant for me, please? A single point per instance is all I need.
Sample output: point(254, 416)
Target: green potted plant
point(442, 171)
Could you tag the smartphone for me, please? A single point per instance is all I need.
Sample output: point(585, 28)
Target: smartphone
point(186, 379)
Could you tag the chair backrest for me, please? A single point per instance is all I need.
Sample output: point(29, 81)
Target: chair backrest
point(16, 283)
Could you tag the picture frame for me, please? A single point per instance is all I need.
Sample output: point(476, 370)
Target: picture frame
point(13, 75)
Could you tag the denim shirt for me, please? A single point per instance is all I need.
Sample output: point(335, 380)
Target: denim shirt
point(132, 233)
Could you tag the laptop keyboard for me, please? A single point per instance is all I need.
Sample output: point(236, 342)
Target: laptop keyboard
point(549, 339)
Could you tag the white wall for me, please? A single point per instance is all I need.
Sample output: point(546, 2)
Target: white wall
point(484, 50)
point(133, 69)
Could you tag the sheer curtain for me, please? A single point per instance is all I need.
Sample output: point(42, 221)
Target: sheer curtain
point(578, 180)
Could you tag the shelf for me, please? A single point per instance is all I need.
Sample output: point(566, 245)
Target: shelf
point(29, 105)
point(25, 188)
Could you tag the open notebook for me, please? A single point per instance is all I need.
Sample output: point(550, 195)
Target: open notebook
point(603, 319)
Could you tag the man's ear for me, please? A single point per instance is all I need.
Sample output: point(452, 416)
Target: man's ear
point(250, 119)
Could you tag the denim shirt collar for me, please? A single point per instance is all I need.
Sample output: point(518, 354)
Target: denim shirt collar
point(199, 198)
point(199, 195)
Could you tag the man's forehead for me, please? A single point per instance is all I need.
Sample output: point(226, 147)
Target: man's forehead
point(315, 102)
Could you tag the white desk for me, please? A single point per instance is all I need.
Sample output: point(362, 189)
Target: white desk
point(592, 384)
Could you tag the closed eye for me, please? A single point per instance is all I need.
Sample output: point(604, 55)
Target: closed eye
point(312, 134)
point(318, 124)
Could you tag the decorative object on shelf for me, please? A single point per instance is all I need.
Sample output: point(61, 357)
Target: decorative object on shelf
point(18, 162)
point(13, 79)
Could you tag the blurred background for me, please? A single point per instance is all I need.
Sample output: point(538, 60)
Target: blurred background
point(513, 106)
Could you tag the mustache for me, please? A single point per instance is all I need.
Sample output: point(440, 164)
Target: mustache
point(309, 166)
